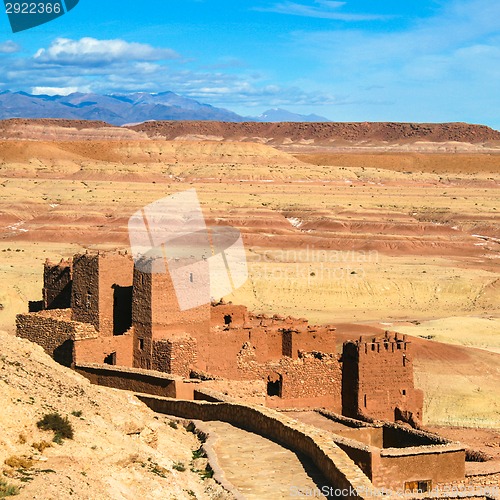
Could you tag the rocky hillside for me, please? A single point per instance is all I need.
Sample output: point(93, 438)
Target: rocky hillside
point(277, 134)
point(324, 133)
point(48, 129)
point(120, 449)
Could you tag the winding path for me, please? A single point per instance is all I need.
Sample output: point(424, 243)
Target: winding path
point(261, 469)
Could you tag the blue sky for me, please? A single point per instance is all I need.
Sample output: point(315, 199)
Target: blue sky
point(359, 60)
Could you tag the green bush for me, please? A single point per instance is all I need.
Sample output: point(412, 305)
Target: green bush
point(60, 425)
point(179, 466)
point(8, 490)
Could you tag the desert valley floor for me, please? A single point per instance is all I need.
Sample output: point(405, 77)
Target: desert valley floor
point(380, 234)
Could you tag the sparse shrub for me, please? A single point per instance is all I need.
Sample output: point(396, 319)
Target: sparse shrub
point(77, 413)
point(199, 453)
point(173, 424)
point(476, 456)
point(41, 446)
point(158, 470)
point(191, 427)
point(19, 462)
point(8, 490)
point(208, 473)
point(60, 425)
point(22, 438)
point(179, 466)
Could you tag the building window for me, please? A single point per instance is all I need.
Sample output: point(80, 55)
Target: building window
point(111, 359)
point(418, 486)
point(274, 385)
point(364, 400)
point(404, 392)
point(191, 277)
point(141, 344)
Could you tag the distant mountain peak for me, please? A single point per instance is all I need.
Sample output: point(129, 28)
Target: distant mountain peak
point(282, 115)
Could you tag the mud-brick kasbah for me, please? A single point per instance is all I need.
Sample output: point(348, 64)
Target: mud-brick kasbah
point(99, 309)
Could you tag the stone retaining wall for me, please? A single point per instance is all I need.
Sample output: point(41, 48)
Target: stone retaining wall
point(55, 332)
point(333, 463)
point(136, 380)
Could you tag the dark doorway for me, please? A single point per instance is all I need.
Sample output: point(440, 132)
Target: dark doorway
point(35, 306)
point(63, 354)
point(274, 385)
point(228, 319)
point(122, 309)
point(111, 359)
point(60, 299)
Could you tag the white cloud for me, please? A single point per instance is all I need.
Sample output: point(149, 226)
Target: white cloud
point(324, 9)
point(93, 52)
point(58, 90)
point(9, 47)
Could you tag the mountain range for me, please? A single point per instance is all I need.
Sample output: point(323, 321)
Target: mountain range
point(282, 115)
point(121, 109)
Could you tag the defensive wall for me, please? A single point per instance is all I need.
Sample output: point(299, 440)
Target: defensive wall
point(334, 464)
point(138, 380)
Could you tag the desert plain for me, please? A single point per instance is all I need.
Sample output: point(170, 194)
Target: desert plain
point(367, 232)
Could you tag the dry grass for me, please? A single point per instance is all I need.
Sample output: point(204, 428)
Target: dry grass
point(17, 462)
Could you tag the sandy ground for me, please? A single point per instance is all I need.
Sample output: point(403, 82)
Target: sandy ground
point(457, 331)
point(434, 162)
point(338, 244)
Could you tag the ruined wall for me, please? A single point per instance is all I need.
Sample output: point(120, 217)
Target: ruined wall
point(310, 381)
point(394, 455)
point(115, 293)
point(102, 291)
point(267, 341)
point(224, 315)
point(370, 436)
point(55, 332)
point(167, 317)
point(85, 290)
point(218, 353)
point(314, 338)
point(141, 381)
point(141, 319)
point(156, 315)
point(176, 356)
point(102, 348)
point(57, 282)
point(393, 468)
point(378, 380)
